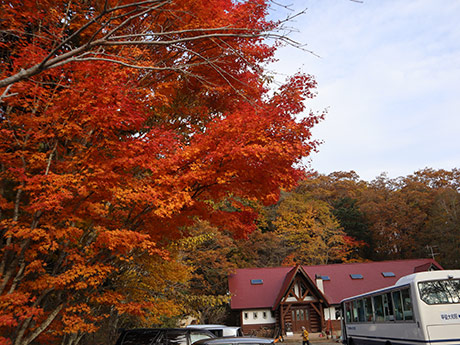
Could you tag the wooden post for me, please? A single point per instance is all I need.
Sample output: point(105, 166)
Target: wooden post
point(282, 319)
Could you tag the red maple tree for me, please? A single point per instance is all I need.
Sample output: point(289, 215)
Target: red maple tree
point(121, 122)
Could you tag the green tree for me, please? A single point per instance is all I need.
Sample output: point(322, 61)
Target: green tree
point(354, 224)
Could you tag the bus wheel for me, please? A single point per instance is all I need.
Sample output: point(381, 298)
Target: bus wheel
point(350, 341)
point(388, 343)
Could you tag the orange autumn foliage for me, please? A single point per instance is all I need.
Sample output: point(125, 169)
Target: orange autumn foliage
point(120, 123)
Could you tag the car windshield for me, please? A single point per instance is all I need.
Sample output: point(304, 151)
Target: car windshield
point(440, 291)
point(146, 337)
point(176, 338)
point(236, 341)
point(196, 335)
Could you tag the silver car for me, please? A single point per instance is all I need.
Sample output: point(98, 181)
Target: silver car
point(235, 341)
point(162, 336)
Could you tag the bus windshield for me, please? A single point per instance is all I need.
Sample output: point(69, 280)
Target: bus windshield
point(440, 291)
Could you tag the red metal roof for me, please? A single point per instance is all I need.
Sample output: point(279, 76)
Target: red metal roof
point(287, 282)
point(248, 296)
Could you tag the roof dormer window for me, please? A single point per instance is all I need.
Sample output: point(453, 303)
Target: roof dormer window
point(257, 281)
point(356, 276)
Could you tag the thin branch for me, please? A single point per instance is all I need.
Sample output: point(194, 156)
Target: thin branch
point(140, 3)
point(53, 60)
point(18, 277)
point(50, 158)
point(183, 32)
point(184, 40)
point(5, 93)
point(130, 18)
point(147, 68)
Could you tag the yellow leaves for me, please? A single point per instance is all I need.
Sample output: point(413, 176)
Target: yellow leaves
point(189, 243)
point(147, 288)
point(309, 226)
point(201, 301)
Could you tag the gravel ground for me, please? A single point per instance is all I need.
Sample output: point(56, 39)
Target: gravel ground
point(314, 340)
point(297, 340)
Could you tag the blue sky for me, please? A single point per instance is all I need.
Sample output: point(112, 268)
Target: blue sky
point(388, 72)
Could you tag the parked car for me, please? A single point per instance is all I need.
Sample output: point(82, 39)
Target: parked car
point(220, 330)
point(235, 341)
point(163, 336)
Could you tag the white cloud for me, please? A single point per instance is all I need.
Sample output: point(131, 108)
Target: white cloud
point(390, 74)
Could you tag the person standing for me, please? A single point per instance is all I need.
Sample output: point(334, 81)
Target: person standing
point(305, 339)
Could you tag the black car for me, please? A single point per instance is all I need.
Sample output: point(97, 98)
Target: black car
point(235, 341)
point(162, 336)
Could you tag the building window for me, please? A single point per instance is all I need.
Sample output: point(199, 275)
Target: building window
point(246, 316)
point(356, 276)
point(264, 314)
point(257, 281)
point(303, 289)
point(255, 315)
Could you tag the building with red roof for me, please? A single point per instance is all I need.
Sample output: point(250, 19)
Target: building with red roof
point(288, 298)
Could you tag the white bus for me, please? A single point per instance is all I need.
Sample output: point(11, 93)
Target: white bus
point(421, 308)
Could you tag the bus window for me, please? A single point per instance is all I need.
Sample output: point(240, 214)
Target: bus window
point(355, 311)
point(378, 308)
point(368, 313)
point(361, 310)
point(398, 305)
point(440, 292)
point(388, 307)
point(407, 304)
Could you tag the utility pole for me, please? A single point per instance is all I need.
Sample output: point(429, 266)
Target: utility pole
point(431, 252)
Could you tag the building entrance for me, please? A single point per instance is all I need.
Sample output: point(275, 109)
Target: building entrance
point(300, 317)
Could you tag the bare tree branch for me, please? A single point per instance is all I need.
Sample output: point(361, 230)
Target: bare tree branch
point(61, 55)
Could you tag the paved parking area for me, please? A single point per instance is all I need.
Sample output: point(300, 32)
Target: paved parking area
point(315, 339)
point(313, 342)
